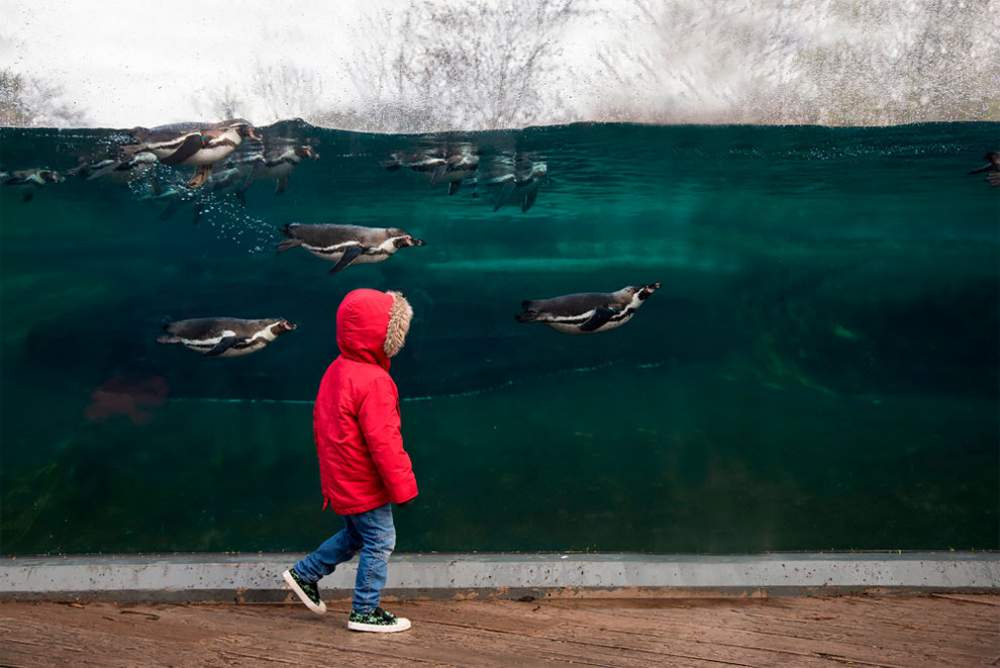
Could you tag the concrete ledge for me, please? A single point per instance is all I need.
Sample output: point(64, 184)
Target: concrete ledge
point(256, 577)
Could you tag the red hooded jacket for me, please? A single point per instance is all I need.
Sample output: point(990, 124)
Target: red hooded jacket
point(356, 423)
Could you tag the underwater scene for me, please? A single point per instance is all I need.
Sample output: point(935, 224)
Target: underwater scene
point(801, 352)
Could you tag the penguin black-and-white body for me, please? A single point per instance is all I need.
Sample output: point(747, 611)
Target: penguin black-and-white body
point(225, 337)
point(228, 179)
point(588, 312)
point(30, 178)
point(194, 144)
point(457, 168)
point(122, 171)
point(281, 165)
point(347, 244)
point(426, 162)
point(520, 185)
point(275, 165)
point(451, 165)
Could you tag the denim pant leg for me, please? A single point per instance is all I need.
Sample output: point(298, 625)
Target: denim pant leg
point(335, 550)
point(378, 538)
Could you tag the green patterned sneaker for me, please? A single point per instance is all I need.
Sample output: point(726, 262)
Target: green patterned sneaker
point(307, 592)
point(377, 621)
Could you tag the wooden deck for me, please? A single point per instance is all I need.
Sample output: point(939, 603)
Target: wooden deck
point(937, 630)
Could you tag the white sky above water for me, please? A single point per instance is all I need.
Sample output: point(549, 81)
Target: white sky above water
point(143, 62)
point(140, 62)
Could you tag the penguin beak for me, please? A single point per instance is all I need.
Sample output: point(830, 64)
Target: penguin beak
point(417, 242)
point(647, 291)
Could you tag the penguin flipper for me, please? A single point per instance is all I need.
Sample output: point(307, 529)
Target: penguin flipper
point(190, 146)
point(529, 199)
point(223, 345)
point(282, 185)
point(453, 187)
point(600, 317)
point(438, 173)
point(505, 192)
point(351, 253)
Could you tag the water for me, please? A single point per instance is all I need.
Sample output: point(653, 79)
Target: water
point(819, 370)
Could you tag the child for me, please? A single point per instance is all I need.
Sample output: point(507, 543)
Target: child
point(363, 467)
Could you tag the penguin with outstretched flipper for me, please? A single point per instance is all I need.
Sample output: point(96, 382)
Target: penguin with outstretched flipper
point(347, 244)
point(587, 312)
point(225, 337)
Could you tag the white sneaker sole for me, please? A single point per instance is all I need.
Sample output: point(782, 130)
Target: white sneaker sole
point(402, 624)
point(294, 586)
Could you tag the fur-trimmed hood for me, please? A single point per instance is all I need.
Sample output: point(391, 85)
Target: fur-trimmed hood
point(372, 325)
point(400, 316)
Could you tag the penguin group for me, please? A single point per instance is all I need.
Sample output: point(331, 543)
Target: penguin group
point(29, 179)
point(229, 156)
point(509, 179)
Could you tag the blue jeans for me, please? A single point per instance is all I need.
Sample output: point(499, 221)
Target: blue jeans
point(374, 535)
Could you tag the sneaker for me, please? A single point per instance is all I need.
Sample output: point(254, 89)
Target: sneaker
point(307, 592)
point(377, 621)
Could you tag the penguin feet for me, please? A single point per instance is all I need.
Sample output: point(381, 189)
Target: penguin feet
point(200, 177)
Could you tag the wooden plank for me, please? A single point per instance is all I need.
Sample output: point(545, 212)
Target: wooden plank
point(725, 646)
point(980, 599)
point(855, 642)
point(864, 631)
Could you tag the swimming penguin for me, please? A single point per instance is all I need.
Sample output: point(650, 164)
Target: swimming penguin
point(120, 170)
point(426, 162)
point(276, 165)
point(347, 244)
point(192, 144)
point(588, 312)
point(225, 337)
point(226, 179)
point(30, 178)
point(520, 186)
point(458, 167)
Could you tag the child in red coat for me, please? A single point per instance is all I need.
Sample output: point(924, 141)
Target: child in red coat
point(363, 467)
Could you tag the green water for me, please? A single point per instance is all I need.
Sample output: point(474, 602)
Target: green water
point(819, 370)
